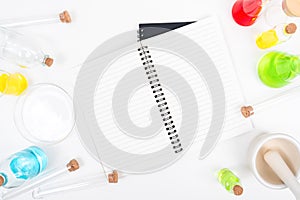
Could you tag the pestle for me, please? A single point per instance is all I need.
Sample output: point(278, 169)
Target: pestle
point(279, 166)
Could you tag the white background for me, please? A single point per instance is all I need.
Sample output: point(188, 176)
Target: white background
point(95, 22)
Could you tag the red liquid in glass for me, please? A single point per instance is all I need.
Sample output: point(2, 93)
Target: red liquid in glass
point(245, 12)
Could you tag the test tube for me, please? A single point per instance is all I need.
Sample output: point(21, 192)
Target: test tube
point(63, 17)
point(249, 110)
point(85, 183)
point(31, 184)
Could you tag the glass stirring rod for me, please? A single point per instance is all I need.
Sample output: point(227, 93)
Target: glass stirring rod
point(63, 17)
point(249, 110)
point(75, 185)
point(73, 165)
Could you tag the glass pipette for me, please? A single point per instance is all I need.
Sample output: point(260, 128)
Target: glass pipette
point(247, 111)
point(86, 183)
point(31, 184)
point(63, 17)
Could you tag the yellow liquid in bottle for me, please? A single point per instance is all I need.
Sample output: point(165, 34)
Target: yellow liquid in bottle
point(267, 39)
point(3, 80)
point(13, 84)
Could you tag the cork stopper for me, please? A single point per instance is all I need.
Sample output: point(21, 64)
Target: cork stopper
point(237, 190)
point(73, 165)
point(65, 17)
point(49, 62)
point(247, 111)
point(113, 177)
point(290, 28)
point(2, 180)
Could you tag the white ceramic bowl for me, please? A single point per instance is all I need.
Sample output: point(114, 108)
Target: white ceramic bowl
point(256, 146)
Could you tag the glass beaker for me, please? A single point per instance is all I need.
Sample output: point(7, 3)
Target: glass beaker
point(245, 12)
point(277, 69)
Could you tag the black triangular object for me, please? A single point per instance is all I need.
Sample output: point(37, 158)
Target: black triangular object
point(155, 29)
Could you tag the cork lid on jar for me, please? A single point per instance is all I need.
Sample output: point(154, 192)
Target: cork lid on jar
point(291, 28)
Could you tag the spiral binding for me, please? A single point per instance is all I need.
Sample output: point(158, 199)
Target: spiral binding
point(159, 96)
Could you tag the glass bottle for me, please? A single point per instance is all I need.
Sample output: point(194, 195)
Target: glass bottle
point(230, 181)
point(277, 69)
point(245, 12)
point(12, 84)
point(277, 35)
point(21, 50)
point(22, 166)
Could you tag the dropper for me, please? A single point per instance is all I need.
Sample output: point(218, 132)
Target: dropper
point(75, 185)
point(63, 17)
point(31, 184)
point(249, 110)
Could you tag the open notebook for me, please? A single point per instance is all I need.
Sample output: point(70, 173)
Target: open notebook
point(142, 106)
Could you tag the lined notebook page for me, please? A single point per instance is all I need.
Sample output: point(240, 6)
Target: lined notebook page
point(206, 33)
point(120, 121)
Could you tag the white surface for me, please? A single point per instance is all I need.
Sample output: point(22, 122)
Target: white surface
point(95, 22)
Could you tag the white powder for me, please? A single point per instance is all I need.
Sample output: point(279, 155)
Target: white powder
point(47, 114)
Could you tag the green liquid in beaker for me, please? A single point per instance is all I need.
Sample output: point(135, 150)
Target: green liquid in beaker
point(277, 69)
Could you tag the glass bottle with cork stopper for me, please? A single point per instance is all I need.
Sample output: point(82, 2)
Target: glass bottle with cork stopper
point(279, 34)
point(21, 50)
point(63, 17)
point(230, 181)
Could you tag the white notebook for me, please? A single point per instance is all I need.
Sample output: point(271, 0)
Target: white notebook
point(157, 97)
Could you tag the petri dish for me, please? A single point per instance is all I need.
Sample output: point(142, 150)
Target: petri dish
point(44, 114)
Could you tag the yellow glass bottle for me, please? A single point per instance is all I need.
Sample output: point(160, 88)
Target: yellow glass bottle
point(277, 35)
point(13, 84)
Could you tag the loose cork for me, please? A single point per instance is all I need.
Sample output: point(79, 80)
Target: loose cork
point(65, 17)
point(238, 190)
point(113, 177)
point(247, 111)
point(49, 62)
point(291, 28)
point(2, 180)
point(73, 165)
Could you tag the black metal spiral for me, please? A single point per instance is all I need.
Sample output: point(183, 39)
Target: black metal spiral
point(159, 96)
